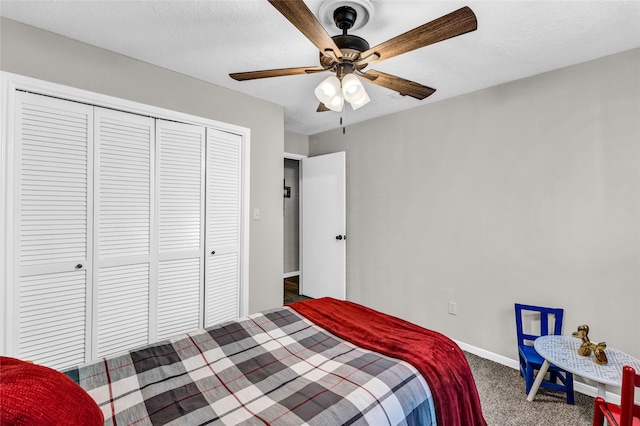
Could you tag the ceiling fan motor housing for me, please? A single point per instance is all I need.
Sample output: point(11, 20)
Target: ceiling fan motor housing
point(364, 12)
point(350, 45)
point(345, 17)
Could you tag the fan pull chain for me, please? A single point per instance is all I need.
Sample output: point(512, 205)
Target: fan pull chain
point(341, 119)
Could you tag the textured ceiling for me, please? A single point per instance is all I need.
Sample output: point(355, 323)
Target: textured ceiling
point(210, 39)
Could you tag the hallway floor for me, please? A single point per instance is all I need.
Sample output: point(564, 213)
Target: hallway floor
point(292, 290)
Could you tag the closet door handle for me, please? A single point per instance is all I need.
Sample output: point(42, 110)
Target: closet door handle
point(213, 252)
point(339, 237)
point(79, 266)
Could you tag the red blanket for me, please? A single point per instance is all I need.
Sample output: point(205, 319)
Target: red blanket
point(437, 357)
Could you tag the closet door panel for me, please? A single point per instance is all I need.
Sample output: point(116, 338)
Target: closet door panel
point(124, 161)
point(52, 318)
point(224, 154)
point(179, 300)
point(123, 233)
point(53, 207)
point(180, 226)
point(222, 288)
point(123, 307)
point(54, 181)
point(181, 187)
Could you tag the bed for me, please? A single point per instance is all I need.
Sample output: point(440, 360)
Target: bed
point(317, 362)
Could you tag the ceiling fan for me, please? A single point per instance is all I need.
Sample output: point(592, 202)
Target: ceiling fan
point(347, 55)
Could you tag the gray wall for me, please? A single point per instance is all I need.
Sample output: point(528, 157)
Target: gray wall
point(292, 217)
point(526, 192)
point(295, 143)
point(39, 54)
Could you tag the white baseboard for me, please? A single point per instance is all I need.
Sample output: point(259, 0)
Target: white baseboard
point(291, 274)
point(482, 353)
point(578, 385)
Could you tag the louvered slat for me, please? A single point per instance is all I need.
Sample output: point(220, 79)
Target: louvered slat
point(124, 184)
point(223, 189)
point(123, 308)
point(222, 289)
point(178, 297)
point(180, 180)
point(52, 318)
point(53, 180)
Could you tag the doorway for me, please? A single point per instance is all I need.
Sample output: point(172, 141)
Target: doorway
point(314, 226)
point(291, 227)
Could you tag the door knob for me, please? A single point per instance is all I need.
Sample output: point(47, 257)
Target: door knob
point(79, 266)
point(213, 252)
point(339, 237)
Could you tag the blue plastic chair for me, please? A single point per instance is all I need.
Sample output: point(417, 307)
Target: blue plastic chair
point(530, 361)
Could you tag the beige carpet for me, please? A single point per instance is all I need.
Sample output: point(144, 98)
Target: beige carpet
point(504, 402)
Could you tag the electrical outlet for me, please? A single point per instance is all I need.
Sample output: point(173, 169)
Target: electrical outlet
point(453, 308)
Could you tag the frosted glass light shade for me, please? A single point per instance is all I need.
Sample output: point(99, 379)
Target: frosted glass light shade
point(361, 101)
point(330, 94)
point(354, 92)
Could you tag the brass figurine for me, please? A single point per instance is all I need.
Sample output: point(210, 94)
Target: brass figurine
point(601, 357)
point(587, 347)
point(583, 333)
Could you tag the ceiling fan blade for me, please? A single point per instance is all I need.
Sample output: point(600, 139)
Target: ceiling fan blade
point(448, 26)
point(400, 85)
point(297, 12)
point(252, 75)
point(322, 108)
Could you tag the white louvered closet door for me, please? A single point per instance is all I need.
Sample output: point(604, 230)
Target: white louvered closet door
point(180, 152)
point(123, 238)
point(222, 289)
point(53, 219)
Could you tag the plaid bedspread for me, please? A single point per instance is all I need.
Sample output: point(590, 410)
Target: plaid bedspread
point(271, 368)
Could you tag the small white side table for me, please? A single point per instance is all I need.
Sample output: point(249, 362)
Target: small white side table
point(562, 351)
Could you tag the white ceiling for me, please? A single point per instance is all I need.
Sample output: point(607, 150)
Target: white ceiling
point(210, 39)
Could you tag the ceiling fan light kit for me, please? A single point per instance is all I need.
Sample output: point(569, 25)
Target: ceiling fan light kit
point(347, 55)
point(332, 92)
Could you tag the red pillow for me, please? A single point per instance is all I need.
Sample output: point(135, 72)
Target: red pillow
point(32, 394)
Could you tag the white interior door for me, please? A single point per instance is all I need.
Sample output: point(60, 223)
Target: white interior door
point(324, 226)
point(53, 211)
point(180, 226)
point(223, 227)
point(122, 242)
